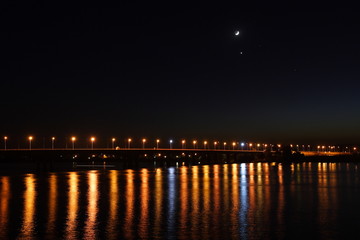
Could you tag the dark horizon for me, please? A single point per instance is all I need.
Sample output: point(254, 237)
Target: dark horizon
point(180, 72)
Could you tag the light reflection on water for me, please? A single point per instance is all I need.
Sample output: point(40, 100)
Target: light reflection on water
point(4, 204)
point(27, 230)
point(72, 206)
point(237, 201)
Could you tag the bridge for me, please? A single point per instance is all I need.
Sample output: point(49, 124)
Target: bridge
point(145, 157)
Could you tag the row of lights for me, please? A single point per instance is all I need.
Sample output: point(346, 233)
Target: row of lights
point(248, 146)
point(144, 140)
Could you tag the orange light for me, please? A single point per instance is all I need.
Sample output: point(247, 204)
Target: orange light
point(30, 138)
point(53, 138)
point(183, 141)
point(5, 138)
point(129, 140)
point(92, 139)
point(144, 140)
point(73, 139)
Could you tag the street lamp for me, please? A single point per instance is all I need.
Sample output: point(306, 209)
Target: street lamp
point(5, 139)
point(73, 139)
point(224, 145)
point(143, 143)
point(157, 143)
point(170, 142)
point(113, 143)
point(30, 139)
point(205, 142)
point(250, 146)
point(129, 142)
point(242, 145)
point(92, 139)
point(194, 143)
point(52, 143)
point(183, 144)
point(233, 145)
point(215, 143)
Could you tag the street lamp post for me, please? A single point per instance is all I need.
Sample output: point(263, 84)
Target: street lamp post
point(170, 142)
point(5, 139)
point(73, 139)
point(129, 142)
point(143, 143)
point(205, 143)
point(233, 145)
point(183, 144)
point(224, 145)
point(52, 143)
point(215, 143)
point(30, 139)
point(242, 146)
point(92, 139)
point(113, 143)
point(157, 143)
point(194, 143)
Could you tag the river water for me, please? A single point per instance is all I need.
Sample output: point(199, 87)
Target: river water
point(231, 201)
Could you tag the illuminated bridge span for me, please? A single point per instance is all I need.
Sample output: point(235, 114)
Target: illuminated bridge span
point(144, 157)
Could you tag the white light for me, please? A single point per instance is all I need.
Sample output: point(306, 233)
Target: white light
point(242, 144)
point(237, 33)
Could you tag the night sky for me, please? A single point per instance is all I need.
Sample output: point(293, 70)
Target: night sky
point(180, 72)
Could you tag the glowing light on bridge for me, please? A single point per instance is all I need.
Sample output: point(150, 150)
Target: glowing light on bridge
point(205, 143)
point(157, 143)
point(52, 142)
point(30, 139)
point(73, 139)
point(143, 142)
point(215, 143)
point(92, 139)
point(5, 140)
point(183, 144)
point(113, 143)
point(224, 145)
point(129, 142)
point(194, 143)
point(170, 143)
point(233, 145)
